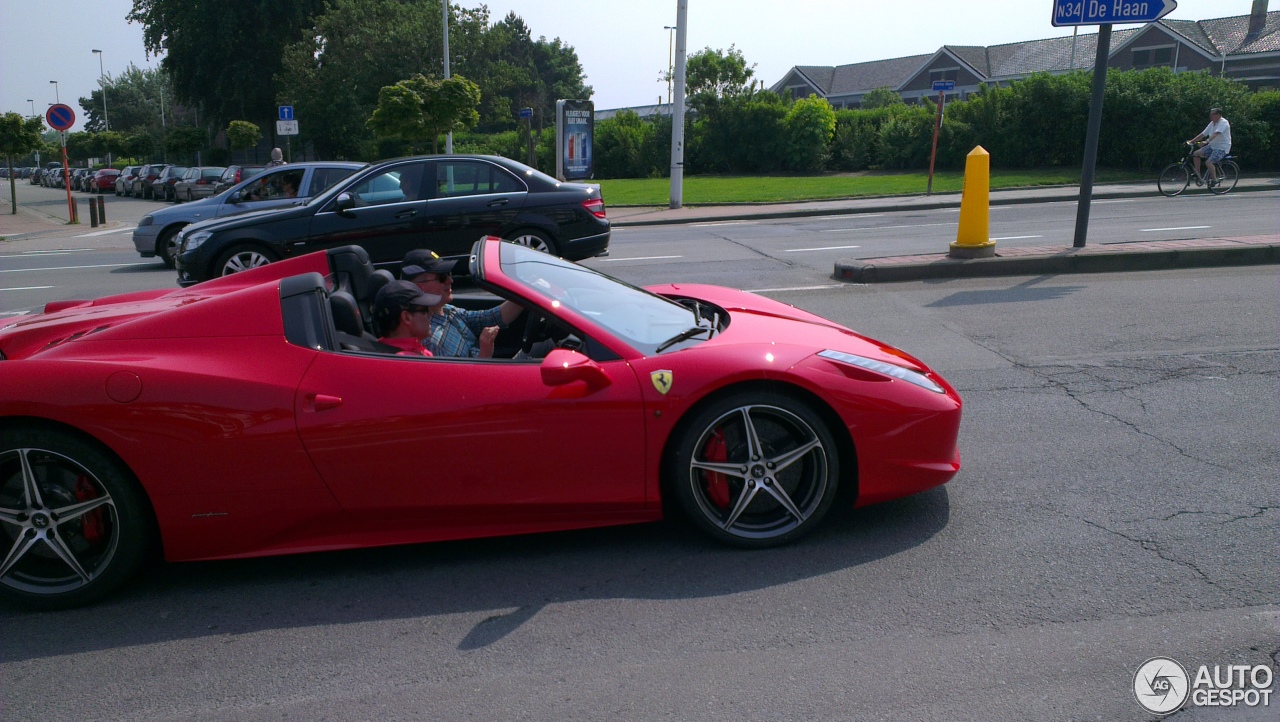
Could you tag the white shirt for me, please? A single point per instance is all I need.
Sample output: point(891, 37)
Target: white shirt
point(1222, 142)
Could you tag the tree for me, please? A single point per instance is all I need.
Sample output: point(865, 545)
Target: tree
point(18, 136)
point(810, 123)
point(718, 73)
point(420, 109)
point(880, 98)
point(183, 142)
point(243, 135)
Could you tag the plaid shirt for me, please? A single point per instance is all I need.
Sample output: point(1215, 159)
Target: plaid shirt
point(456, 331)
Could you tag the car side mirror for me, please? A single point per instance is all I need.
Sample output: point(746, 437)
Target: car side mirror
point(344, 202)
point(563, 366)
point(234, 197)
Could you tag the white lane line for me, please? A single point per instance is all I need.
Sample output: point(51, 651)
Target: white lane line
point(13, 313)
point(42, 254)
point(26, 288)
point(793, 288)
point(1014, 238)
point(823, 248)
point(105, 233)
point(72, 268)
point(639, 258)
point(883, 228)
point(55, 250)
point(1179, 228)
point(722, 223)
point(842, 216)
point(1127, 200)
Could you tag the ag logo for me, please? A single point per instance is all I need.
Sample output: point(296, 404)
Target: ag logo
point(661, 381)
point(1161, 685)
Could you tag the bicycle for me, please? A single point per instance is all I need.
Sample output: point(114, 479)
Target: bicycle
point(1175, 178)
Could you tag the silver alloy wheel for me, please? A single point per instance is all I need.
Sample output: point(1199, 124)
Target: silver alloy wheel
point(533, 240)
point(774, 472)
point(243, 261)
point(64, 530)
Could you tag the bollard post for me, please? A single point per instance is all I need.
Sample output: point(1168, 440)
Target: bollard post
point(102, 210)
point(75, 210)
point(973, 239)
point(93, 214)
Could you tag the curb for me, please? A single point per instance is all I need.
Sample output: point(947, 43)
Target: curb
point(1068, 261)
point(889, 208)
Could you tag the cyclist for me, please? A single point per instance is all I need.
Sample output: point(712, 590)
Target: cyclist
point(1217, 136)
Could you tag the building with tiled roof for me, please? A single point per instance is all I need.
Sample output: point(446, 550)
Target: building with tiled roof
point(1245, 47)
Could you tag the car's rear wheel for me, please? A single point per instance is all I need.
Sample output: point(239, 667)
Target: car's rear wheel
point(755, 469)
point(244, 258)
point(73, 523)
point(167, 245)
point(537, 240)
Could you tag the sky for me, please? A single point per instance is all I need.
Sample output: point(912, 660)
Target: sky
point(621, 43)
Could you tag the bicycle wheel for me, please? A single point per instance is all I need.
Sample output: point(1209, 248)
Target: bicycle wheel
point(1173, 179)
point(1228, 175)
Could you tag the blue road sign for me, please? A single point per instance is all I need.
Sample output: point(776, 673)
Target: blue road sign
point(1106, 12)
point(526, 112)
point(286, 112)
point(944, 85)
point(60, 117)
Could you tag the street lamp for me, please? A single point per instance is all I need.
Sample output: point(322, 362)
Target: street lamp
point(670, 57)
point(102, 80)
point(33, 107)
point(55, 91)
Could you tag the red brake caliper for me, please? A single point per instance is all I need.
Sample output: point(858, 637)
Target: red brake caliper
point(91, 522)
point(717, 451)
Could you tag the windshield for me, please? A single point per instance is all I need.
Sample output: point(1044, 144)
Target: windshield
point(644, 320)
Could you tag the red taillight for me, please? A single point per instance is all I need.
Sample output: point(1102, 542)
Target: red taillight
point(594, 206)
point(202, 182)
point(237, 180)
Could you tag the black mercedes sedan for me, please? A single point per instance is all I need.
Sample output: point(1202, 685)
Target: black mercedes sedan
point(445, 203)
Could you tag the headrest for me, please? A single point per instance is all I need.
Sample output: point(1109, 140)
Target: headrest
point(379, 279)
point(346, 313)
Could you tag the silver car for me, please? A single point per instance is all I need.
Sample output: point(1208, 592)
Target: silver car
point(157, 232)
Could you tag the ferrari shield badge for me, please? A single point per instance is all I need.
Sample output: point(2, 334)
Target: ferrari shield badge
point(661, 380)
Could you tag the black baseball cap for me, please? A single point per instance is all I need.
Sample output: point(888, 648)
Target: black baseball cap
point(421, 260)
point(399, 296)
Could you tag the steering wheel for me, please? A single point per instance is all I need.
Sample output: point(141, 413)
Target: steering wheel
point(539, 328)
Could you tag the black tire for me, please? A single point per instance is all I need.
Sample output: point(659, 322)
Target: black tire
point(745, 503)
point(535, 239)
point(1228, 176)
point(243, 258)
point(39, 536)
point(1173, 179)
point(167, 245)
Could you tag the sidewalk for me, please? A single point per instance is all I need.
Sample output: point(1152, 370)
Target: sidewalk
point(658, 215)
point(42, 218)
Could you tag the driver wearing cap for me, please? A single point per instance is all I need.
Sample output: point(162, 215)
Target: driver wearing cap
point(454, 331)
point(402, 312)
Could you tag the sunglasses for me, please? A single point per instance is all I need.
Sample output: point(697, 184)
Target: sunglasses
point(441, 277)
point(418, 309)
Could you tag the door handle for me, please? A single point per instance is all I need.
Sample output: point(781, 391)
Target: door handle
point(499, 202)
point(322, 402)
point(407, 214)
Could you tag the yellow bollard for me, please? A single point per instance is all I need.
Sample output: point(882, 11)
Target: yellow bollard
point(973, 239)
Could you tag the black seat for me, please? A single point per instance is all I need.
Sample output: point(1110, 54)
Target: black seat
point(351, 333)
point(351, 269)
point(375, 283)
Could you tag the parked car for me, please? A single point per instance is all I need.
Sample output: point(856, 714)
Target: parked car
point(441, 202)
point(256, 415)
point(104, 180)
point(197, 182)
point(236, 173)
point(157, 232)
point(162, 186)
point(35, 176)
point(125, 181)
point(142, 185)
point(83, 179)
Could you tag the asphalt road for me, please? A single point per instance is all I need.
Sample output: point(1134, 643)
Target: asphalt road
point(1117, 502)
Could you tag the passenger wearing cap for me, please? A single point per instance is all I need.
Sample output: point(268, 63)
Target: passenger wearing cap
point(402, 312)
point(455, 331)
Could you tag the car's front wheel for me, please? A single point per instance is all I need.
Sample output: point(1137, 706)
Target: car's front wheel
point(167, 245)
point(74, 524)
point(243, 258)
point(755, 469)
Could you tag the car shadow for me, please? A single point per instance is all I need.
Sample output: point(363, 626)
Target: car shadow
point(145, 268)
point(650, 561)
point(1023, 292)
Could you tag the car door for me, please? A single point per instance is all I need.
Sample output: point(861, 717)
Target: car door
point(417, 442)
point(470, 199)
point(387, 219)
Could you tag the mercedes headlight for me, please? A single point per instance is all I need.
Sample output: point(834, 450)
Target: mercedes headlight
point(190, 241)
point(893, 371)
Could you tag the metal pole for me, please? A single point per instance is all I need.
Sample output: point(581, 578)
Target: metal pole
point(55, 91)
point(677, 108)
point(1091, 140)
point(670, 58)
point(937, 128)
point(448, 138)
point(102, 80)
point(1074, 32)
point(66, 181)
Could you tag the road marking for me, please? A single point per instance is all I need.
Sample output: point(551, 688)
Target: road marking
point(105, 233)
point(56, 250)
point(721, 223)
point(13, 313)
point(1129, 200)
point(72, 268)
point(42, 253)
point(882, 228)
point(1014, 238)
point(843, 216)
point(794, 288)
point(1179, 228)
point(640, 258)
point(823, 248)
point(26, 288)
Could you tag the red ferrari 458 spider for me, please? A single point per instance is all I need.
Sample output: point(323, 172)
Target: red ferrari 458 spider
point(256, 414)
